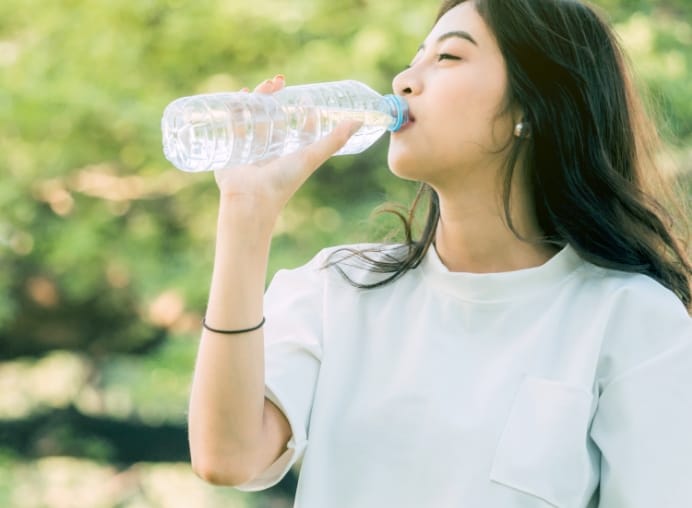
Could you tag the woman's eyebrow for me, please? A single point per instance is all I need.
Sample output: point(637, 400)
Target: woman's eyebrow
point(461, 34)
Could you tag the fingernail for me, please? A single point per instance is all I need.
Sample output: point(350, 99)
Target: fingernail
point(280, 77)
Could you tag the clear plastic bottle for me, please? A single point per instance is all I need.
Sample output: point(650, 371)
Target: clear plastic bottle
point(217, 131)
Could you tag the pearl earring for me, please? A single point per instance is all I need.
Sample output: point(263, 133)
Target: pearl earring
point(521, 130)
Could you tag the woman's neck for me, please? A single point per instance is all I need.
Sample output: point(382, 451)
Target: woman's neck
point(473, 235)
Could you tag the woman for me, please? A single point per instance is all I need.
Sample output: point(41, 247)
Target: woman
point(533, 348)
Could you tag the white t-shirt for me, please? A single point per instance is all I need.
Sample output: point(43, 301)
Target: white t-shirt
point(524, 389)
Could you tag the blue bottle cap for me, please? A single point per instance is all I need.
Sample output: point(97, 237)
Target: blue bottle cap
point(399, 111)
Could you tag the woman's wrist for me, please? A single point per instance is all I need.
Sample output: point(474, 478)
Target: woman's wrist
point(248, 214)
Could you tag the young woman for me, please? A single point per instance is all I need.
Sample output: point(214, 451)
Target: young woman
point(533, 348)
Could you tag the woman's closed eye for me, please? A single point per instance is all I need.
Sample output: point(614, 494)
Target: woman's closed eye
point(440, 57)
point(447, 56)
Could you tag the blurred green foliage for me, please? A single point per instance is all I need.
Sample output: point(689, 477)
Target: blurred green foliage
point(91, 206)
point(106, 248)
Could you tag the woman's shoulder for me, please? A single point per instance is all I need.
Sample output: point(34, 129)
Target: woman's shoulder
point(631, 290)
point(639, 315)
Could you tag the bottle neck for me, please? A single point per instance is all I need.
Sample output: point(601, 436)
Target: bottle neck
point(397, 107)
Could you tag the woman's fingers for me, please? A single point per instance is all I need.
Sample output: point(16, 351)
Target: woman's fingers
point(271, 85)
point(316, 154)
point(279, 82)
point(264, 87)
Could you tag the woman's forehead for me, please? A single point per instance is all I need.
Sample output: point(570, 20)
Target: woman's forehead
point(462, 17)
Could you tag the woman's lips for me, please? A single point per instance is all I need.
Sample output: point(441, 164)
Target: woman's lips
point(410, 121)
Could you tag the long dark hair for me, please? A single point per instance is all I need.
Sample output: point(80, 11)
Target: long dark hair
point(591, 151)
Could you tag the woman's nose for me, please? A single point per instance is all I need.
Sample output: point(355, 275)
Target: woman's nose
point(406, 83)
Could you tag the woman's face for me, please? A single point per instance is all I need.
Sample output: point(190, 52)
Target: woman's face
point(455, 87)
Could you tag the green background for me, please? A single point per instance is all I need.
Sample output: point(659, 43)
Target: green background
point(106, 249)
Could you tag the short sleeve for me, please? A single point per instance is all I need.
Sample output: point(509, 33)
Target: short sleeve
point(643, 422)
point(293, 352)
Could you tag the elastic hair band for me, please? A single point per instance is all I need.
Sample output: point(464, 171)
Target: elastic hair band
point(233, 332)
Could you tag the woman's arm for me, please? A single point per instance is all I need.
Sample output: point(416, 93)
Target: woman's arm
point(234, 432)
point(230, 435)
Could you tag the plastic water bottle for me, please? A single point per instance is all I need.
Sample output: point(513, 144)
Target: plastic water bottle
point(222, 130)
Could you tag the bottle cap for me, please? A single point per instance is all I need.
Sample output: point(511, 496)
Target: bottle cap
point(399, 111)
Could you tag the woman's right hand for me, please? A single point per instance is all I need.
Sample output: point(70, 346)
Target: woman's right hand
point(265, 188)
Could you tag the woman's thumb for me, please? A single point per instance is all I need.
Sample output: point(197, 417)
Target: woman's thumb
point(321, 150)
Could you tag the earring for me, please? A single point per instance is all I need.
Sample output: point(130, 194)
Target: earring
point(521, 130)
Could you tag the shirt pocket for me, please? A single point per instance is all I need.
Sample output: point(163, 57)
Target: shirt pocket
point(543, 450)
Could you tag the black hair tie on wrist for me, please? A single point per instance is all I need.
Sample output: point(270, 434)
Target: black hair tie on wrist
point(233, 332)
